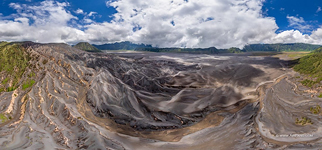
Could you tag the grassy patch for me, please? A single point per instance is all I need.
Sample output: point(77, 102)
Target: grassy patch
point(5, 81)
point(28, 84)
point(32, 74)
point(315, 110)
point(320, 96)
point(3, 118)
point(297, 55)
point(308, 82)
point(3, 43)
point(9, 89)
point(260, 53)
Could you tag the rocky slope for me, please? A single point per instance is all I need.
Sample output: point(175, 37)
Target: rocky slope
point(82, 100)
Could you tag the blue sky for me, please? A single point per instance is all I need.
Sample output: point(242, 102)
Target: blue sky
point(166, 23)
point(309, 10)
point(104, 13)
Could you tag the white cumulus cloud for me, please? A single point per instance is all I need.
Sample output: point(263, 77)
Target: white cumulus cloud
point(79, 11)
point(195, 23)
point(47, 22)
point(299, 23)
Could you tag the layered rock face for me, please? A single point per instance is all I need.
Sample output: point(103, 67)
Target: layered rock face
point(83, 100)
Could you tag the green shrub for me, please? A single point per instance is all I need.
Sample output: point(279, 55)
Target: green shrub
point(315, 110)
point(320, 96)
point(32, 74)
point(9, 89)
point(28, 84)
point(44, 61)
point(3, 118)
point(303, 121)
point(5, 81)
point(308, 83)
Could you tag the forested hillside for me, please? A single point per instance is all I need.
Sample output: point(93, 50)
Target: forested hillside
point(311, 65)
point(211, 50)
point(122, 46)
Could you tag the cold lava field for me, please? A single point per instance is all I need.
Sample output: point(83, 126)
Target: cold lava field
point(83, 100)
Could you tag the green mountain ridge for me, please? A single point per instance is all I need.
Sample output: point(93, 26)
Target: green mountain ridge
point(122, 46)
point(212, 50)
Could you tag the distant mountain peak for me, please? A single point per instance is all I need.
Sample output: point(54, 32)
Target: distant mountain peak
point(86, 47)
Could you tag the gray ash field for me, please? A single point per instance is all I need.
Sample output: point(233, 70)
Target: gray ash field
point(83, 100)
